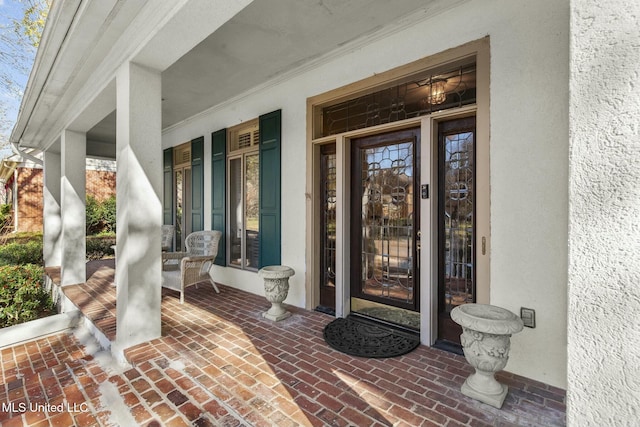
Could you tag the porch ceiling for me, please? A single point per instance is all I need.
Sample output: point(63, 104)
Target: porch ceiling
point(265, 39)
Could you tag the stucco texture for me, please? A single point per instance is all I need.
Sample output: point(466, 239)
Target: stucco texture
point(604, 212)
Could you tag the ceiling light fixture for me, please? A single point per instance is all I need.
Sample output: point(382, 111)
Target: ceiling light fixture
point(436, 90)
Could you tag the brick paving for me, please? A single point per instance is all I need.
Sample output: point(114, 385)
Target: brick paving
point(219, 363)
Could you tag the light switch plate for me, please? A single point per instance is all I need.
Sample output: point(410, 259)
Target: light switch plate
point(528, 316)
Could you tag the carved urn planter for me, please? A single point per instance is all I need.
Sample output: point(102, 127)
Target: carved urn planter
point(486, 340)
point(276, 289)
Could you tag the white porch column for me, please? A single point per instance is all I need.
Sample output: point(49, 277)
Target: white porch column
point(72, 191)
point(139, 206)
point(52, 220)
point(604, 206)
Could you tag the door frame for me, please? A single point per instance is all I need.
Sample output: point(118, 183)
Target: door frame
point(481, 216)
point(428, 221)
point(428, 294)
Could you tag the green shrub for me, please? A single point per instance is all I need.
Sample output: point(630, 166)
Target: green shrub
point(93, 215)
point(22, 296)
point(100, 246)
point(100, 216)
point(28, 250)
point(109, 214)
point(5, 215)
point(22, 252)
point(23, 236)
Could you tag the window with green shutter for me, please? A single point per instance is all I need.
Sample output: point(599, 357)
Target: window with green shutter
point(243, 186)
point(218, 186)
point(197, 184)
point(246, 206)
point(183, 189)
point(270, 184)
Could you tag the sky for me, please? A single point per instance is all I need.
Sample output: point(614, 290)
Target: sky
point(11, 9)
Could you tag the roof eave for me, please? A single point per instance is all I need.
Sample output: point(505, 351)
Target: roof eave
point(57, 28)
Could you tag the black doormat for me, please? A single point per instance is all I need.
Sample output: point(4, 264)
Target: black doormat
point(363, 338)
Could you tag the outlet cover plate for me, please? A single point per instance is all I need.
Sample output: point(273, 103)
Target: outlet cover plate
point(528, 316)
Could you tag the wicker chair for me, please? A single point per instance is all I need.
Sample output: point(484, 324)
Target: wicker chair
point(195, 263)
point(167, 237)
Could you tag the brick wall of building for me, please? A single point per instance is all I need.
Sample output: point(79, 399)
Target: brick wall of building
point(100, 184)
point(29, 195)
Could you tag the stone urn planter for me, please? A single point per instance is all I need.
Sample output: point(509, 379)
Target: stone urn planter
point(276, 289)
point(486, 339)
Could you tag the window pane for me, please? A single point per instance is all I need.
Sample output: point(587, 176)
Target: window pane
point(458, 218)
point(179, 206)
point(252, 209)
point(416, 96)
point(235, 212)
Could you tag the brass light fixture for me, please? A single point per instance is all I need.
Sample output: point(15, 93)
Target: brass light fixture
point(436, 90)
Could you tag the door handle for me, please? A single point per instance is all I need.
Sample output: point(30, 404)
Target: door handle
point(418, 247)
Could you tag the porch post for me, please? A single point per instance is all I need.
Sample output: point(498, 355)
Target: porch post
point(139, 206)
point(603, 379)
point(72, 190)
point(52, 221)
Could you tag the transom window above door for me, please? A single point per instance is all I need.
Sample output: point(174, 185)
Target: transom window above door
point(419, 94)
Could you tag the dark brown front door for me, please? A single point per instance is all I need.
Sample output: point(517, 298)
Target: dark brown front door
point(384, 221)
point(456, 222)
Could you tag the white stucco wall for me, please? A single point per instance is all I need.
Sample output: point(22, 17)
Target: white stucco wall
point(604, 233)
point(529, 148)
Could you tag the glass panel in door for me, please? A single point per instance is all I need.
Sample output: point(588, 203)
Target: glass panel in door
point(384, 235)
point(456, 157)
point(328, 229)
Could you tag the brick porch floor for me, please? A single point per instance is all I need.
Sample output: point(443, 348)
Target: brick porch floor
point(219, 363)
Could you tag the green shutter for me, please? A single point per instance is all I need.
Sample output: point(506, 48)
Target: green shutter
point(218, 186)
point(197, 184)
point(167, 181)
point(270, 236)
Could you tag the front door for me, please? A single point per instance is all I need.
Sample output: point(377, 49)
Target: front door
point(385, 216)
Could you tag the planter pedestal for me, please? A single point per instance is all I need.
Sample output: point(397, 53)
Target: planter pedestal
point(276, 289)
point(486, 340)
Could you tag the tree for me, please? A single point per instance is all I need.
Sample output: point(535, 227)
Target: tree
point(20, 34)
point(32, 24)
point(5, 124)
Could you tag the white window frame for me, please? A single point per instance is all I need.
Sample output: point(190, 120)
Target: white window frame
point(234, 152)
